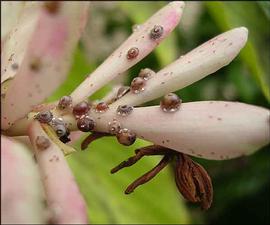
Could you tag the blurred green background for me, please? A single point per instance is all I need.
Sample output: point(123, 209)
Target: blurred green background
point(241, 186)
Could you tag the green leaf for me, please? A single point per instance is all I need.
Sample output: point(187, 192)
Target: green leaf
point(256, 53)
point(265, 6)
point(155, 202)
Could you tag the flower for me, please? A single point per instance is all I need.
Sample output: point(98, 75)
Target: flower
point(41, 45)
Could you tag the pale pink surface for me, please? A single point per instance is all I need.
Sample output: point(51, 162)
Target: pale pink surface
point(197, 64)
point(117, 63)
point(62, 193)
point(209, 129)
point(21, 191)
point(74, 136)
point(10, 12)
point(17, 40)
point(51, 45)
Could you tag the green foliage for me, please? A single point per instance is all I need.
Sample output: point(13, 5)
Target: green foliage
point(256, 52)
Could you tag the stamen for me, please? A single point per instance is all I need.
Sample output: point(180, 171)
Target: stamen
point(145, 151)
point(92, 137)
point(149, 175)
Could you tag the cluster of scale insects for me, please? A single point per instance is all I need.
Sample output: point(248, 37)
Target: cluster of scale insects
point(191, 179)
point(85, 123)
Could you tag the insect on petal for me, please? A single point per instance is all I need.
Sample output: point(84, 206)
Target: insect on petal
point(118, 62)
point(62, 193)
point(197, 64)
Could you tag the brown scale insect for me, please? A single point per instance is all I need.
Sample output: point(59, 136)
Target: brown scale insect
point(65, 102)
point(170, 103)
point(44, 116)
point(132, 53)
point(81, 109)
point(85, 124)
point(126, 137)
point(146, 73)
point(101, 107)
point(156, 32)
point(137, 85)
point(35, 65)
point(124, 110)
point(42, 142)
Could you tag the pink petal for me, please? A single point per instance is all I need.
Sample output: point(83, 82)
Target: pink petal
point(21, 191)
point(17, 41)
point(197, 64)
point(74, 136)
point(209, 129)
point(10, 12)
point(62, 193)
point(117, 62)
point(47, 59)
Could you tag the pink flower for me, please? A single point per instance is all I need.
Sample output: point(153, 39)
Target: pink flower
point(36, 56)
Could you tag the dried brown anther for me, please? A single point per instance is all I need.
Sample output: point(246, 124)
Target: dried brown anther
point(92, 137)
point(149, 175)
point(145, 151)
point(193, 182)
point(191, 179)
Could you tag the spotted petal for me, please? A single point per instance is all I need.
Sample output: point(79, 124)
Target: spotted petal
point(47, 58)
point(10, 13)
point(19, 32)
point(197, 64)
point(117, 62)
point(62, 193)
point(212, 130)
